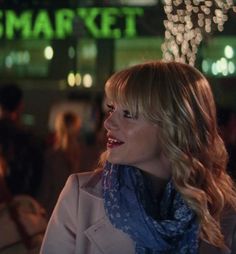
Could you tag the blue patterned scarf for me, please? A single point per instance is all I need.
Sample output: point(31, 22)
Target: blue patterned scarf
point(169, 227)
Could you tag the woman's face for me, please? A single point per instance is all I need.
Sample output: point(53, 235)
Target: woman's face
point(134, 141)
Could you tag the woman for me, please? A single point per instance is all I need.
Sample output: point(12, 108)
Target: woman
point(164, 186)
point(62, 159)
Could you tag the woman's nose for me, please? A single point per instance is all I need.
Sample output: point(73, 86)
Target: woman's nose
point(111, 122)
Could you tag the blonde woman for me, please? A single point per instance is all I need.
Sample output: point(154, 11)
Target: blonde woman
point(163, 187)
point(62, 159)
point(67, 128)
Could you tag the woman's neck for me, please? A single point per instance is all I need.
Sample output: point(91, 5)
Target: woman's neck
point(158, 184)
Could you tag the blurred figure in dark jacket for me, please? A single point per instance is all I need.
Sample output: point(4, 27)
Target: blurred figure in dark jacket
point(21, 149)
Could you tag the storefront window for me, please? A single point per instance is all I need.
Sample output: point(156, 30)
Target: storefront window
point(133, 51)
point(219, 57)
point(25, 58)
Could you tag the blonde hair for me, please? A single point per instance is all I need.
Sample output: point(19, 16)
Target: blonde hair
point(67, 127)
point(179, 99)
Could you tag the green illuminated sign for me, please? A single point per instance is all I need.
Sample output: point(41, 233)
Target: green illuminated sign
point(97, 22)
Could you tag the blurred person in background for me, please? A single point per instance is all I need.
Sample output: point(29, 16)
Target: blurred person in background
point(227, 125)
point(163, 185)
point(67, 129)
point(22, 219)
point(63, 158)
point(20, 147)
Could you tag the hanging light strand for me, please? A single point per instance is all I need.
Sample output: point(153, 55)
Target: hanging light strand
point(188, 22)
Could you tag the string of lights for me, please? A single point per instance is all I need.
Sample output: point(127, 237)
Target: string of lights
point(188, 22)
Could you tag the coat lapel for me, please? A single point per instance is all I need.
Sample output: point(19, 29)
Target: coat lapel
point(108, 239)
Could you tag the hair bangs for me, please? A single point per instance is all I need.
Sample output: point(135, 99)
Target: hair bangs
point(124, 89)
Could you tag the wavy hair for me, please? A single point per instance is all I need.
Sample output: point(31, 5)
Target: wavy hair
point(178, 98)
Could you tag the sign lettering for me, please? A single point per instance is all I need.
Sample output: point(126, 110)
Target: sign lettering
point(62, 23)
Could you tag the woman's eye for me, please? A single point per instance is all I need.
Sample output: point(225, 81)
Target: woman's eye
point(110, 109)
point(127, 114)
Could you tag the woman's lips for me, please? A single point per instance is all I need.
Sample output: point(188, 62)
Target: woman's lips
point(113, 142)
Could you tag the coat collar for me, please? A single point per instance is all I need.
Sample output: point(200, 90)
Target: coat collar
point(93, 185)
point(102, 234)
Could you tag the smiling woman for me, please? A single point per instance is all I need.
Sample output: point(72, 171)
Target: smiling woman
point(163, 186)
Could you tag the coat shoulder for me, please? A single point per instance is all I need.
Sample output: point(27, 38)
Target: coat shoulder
point(89, 178)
